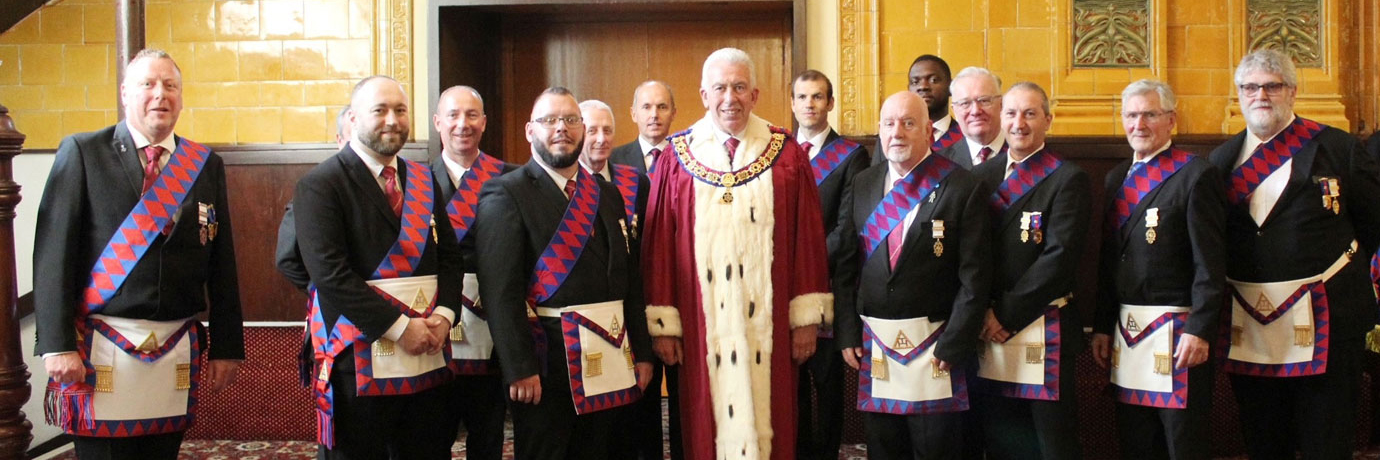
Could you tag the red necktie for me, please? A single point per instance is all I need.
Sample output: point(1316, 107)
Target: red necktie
point(731, 145)
point(806, 146)
point(390, 189)
point(570, 189)
point(984, 154)
point(655, 154)
point(895, 238)
point(151, 168)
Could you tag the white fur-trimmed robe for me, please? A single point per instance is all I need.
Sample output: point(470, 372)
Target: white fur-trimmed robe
point(732, 280)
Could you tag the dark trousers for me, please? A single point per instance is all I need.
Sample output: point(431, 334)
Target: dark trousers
point(1016, 428)
point(916, 437)
point(1179, 434)
point(385, 427)
point(550, 429)
point(819, 420)
point(644, 440)
point(478, 402)
point(152, 447)
point(1315, 415)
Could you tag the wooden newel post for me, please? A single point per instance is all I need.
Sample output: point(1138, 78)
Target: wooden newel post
point(15, 429)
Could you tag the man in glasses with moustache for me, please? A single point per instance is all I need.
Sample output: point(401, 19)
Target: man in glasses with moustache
point(560, 282)
point(1301, 220)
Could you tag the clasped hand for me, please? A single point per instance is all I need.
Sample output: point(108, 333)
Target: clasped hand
point(425, 335)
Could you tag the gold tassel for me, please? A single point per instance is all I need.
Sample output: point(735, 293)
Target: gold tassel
point(879, 371)
point(594, 364)
point(383, 347)
point(105, 379)
point(1236, 332)
point(184, 376)
point(1034, 353)
point(1303, 335)
point(1373, 340)
point(1163, 365)
point(1116, 357)
point(457, 332)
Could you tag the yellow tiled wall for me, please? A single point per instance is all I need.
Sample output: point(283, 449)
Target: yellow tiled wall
point(261, 71)
point(1021, 40)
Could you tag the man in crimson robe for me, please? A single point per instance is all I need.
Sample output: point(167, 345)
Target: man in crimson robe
point(737, 282)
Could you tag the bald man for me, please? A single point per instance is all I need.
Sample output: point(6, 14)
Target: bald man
point(653, 110)
point(919, 216)
point(386, 274)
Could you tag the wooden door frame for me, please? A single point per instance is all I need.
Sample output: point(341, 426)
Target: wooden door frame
point(433, 42)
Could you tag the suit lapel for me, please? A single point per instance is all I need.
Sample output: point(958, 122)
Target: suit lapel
point(1300, 176)
point(128, 157)
point(553, 198)
point(442, 176)
point(961, 155)
point(364, 179)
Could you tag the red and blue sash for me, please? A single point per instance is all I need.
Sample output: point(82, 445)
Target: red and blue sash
point(400, 262)
point(1321, 334)
point(71, 406)
point(908, 192)
point(868, 403)
point(571, 322)
point(561, 253)
point(830, 157)
point(145, 222)
point(1177, 397)
point(1269, 157)
point(950, 137)
point(461, 207)
point(626, 179)
point(1049, 391)
point(1145, 180)
point(1027, 175)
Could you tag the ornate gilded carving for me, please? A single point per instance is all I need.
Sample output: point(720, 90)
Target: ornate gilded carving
point(1293, 27)
point(393, 40)
point(1111, 33)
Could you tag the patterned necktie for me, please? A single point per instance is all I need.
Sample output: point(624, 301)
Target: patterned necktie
point(652, 156)
point(731, 145)
point(570, 188)
point(984, 154)
point(151, 169)
point(806, 146)
point(896, 237)
point(390, 189)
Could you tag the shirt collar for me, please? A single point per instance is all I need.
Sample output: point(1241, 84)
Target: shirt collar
point(816, 142)
point(455, 169)
point(1012, 163)
point(555, 176)
point(647, 145)
point(974, 147)
point(169, 144)
point(1153, 155)
point(892, 177)
point(370, 158)
point(941, 126)
point(604, 172)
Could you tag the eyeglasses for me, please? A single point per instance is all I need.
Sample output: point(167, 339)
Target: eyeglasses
point(550, 121)
point(1272, 88)
point(907, 124)
point(982, 102)
point(1148, 115)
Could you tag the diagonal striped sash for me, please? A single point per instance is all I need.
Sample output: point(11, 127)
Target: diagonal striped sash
point(1027, 175)
point(150, 216)
point(568, 243)
point(950, 137)
point(907, 192)
point(830, 157)
point(418, 202)
point(461, 207)
point(1269, 157)
point(625, 178)
point(1140, 183)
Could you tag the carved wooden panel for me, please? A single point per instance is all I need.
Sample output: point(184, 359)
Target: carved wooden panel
point(1111, 33)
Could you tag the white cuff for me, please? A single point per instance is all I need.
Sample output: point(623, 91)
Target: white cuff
point(445, 312)
point(395, 331)
point(57, 353)
point(663, 321)
point(807, 309)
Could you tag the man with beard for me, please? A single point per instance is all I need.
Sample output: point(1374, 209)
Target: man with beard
point(385, 269)
point(738, 277)
point(912, 285)
point(1041, 208)
point(563, 292)
point(977, 112)
point(653, 110)
point(1161, 283)
point(1301, 217)
point(834, 162)
point(476, 395)
point(134, 243)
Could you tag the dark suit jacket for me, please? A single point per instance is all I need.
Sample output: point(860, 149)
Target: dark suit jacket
point(1300, 238)
point(94, 184)
point(831, 194)
point(345, 228)
point(446, 192)
point(1028, 275)
point(1187, 263)
point(287, 256)
point(952, 287)
point(1373, 145)
point(958, 152)
point(518, 214)
point(629, 154)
